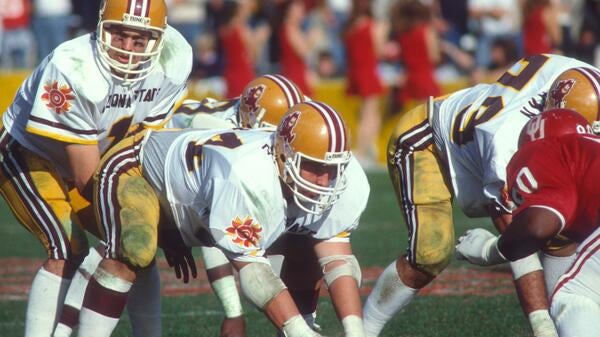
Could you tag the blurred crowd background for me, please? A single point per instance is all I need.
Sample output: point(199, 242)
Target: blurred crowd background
point(397, 52)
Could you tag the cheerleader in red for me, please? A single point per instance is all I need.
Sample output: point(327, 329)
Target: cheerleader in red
point(294, 46)
point(420, 52)
point(541, 30)
point(363, 40)
point(238, 68)
point(240, 45)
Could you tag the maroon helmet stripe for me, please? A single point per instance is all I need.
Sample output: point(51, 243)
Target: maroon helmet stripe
point(594, 77)
point(337, 137)
point(291, 93)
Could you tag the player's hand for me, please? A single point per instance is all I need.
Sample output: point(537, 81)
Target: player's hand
point(183, 262)
point(233, 327)
point(478, 246)
point(178, 255)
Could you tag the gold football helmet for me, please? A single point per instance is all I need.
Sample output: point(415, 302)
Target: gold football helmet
point(143, 15)
point(312, 133)
point(266, 99)
point(577, 89)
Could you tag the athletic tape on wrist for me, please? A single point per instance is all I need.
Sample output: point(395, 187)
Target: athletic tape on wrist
point(353, 326)
point(525, 266)
point(227, 292)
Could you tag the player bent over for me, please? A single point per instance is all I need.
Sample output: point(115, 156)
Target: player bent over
point(458, 146)
point(237, 190)
point(551, 183)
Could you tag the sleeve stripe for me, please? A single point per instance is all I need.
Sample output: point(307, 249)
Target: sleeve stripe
point(553, 210)
point(62, 127)
point(60, 137)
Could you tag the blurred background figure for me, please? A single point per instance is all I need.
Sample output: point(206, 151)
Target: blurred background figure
point(188, 17)
point(364, 39)
point(294, 45)
point(241, 45)
point(420, 52)
point(541, 28)
point(52, 21)
point(325, 22)
point(491, 19)
point(17, 50)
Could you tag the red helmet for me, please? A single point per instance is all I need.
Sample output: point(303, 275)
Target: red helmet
point(554, 123)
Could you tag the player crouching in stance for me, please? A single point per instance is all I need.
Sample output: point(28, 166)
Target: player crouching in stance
point(236, 190)
point(551, 180)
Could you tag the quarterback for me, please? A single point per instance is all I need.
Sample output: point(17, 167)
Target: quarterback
point(551, 185)
point(458, 146)
point(81, 99)
point(238, 190)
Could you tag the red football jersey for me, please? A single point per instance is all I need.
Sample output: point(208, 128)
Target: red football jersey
point(561, 175)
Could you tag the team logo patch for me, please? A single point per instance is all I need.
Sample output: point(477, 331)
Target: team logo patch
point(244, 232)
point(286, 130)
point(558, 94)
point(253, 95)
point(58, 97)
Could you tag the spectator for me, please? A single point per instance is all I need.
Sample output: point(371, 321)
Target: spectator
point(51, 23)
point(326, 24)
point(187, 16)
point(240, 45)
point(295, 46)
point(17, 41)
point(493, 19)
point(452, 20)
point(503, 54)
point(364, 39)
point(419, 51)
point(541, 29)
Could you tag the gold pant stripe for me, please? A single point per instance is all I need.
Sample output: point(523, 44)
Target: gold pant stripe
point(37, 196)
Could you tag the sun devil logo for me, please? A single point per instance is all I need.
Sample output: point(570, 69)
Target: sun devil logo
point(253, 95)
point(562, 89)
point(57, 97)
point(286, 130)
point(244, 232)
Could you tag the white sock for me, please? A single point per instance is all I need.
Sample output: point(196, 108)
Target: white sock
point(93, 324)
point(112, 292)
point(45, 302)
point(143, 303)
point(388, 296)
point(76, 291)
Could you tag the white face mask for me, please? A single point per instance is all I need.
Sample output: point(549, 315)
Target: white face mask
point(311, 197)
point(130, 71)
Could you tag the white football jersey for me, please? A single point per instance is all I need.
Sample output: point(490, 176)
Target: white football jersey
point(226, 182)
point(476, 130)
point(225, 110)
point(72, 98)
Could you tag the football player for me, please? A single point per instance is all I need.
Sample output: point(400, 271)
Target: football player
point(262, 103)
point(458, 146)
point(238, 190)
point(80, 100)
point(550, 183)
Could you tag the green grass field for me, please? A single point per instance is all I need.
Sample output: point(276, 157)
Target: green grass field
point(379, 239)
